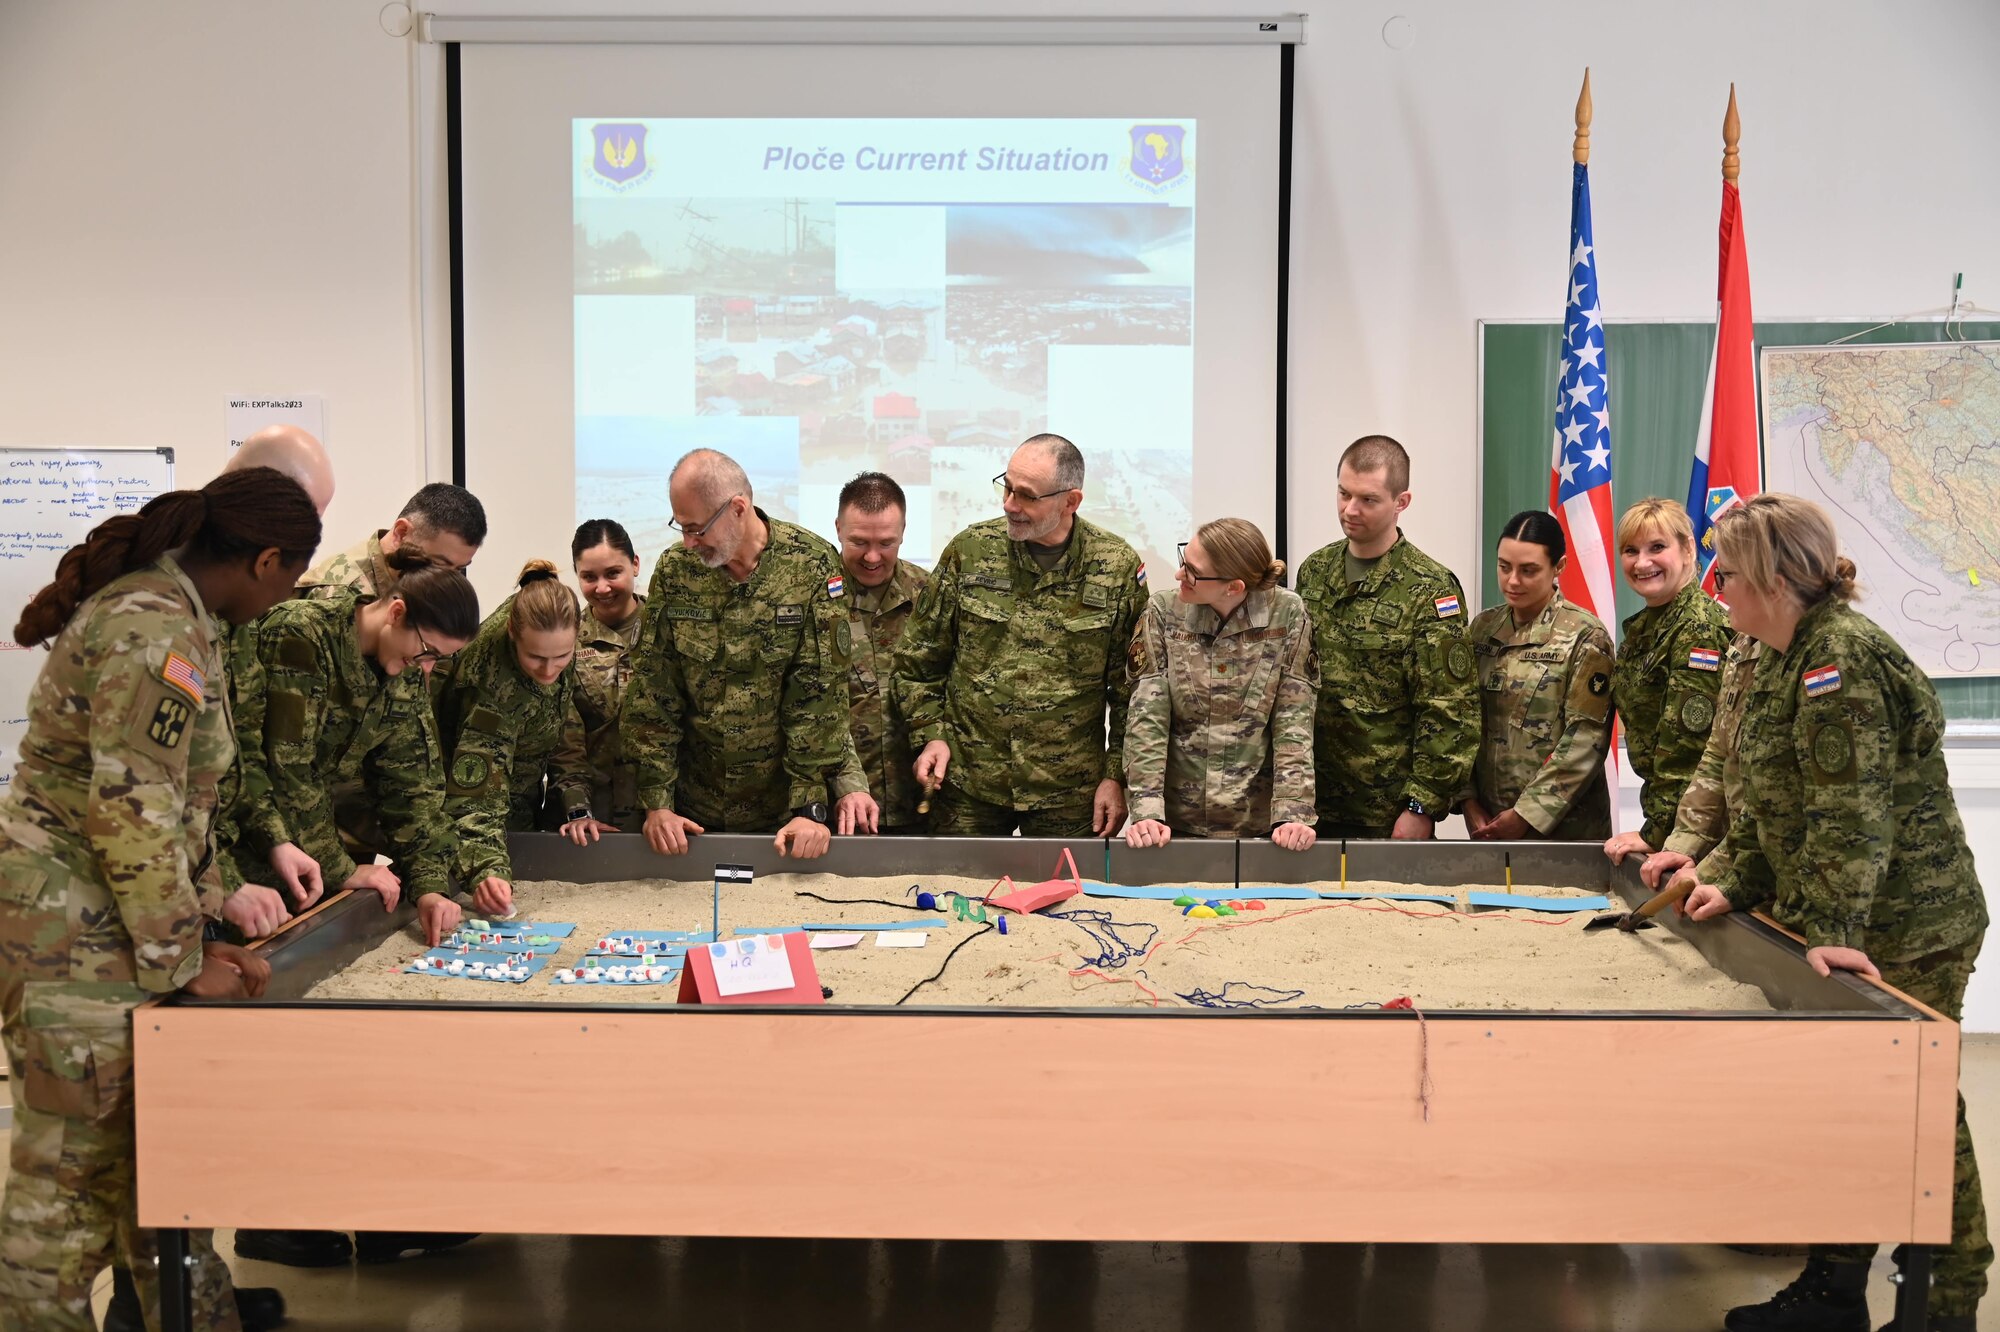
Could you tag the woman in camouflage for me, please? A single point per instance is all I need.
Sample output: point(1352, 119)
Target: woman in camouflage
point(502, 709)
point(107, 868)
point(1545, 699)
point(1219, 738)
point(1669, 671)
point(607, 573)
point(1849, 834)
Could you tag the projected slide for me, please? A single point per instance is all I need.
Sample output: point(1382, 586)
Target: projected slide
point(822, 297)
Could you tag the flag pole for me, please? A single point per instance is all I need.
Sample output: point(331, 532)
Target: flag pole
point(1580, 150)
point(1732, 134)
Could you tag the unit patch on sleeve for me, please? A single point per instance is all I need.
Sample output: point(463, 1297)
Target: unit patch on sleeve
point(169, 723)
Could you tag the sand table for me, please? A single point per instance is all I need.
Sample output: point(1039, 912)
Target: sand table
point(1125, 953)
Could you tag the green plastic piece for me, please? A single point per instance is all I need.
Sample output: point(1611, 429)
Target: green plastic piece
point(1222, 910)
point(1184, 901)
point(478, 925)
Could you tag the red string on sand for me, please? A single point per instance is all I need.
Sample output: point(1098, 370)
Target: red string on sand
point(1117, 980)
point(1424, 1043)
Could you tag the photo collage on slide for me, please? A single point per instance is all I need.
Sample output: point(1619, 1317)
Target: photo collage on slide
point(821, 298)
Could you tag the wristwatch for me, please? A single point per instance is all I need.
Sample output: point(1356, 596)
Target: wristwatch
point(580, 812)
point(1417, 807)
point(816, 811)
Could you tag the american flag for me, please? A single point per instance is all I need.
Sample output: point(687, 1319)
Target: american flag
point(1580, 469)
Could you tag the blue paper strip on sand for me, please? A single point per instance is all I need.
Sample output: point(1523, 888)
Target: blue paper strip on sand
point(647, 941)
point(523, 927)
point(1523, 902)
point(1445, 898)
point(1167, 892)
point(740, 930)
point(927, 923)
point(513, 961)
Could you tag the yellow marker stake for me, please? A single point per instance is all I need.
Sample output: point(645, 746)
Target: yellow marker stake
point(1973, 574)
point(1343, 867)
point(1508, 860)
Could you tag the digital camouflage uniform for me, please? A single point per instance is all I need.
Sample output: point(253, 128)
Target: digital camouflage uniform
point(1545, 705)
point(603, 670)
point(881, 740)
point(1015, 668)
point(1848, 831)
point(501, 732)
point(360, 567)
point(737, 710)
point(245, 822)
point(106, 875)
point(1398, 715)
point(1219, 739)
point(1701, 820)
point(353, 754)
point(1664, 687)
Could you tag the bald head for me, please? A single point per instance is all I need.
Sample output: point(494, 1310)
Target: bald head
point(708, 477)
point(294, 452)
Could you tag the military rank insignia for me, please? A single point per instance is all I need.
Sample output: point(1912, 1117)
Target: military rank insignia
point(1705, 659)
point(169, 723)
point(836, 586)
point(1821, 680)
point(1446, 607)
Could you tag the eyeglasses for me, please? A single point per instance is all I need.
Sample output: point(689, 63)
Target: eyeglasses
point(1022, 495)
point(1722, 577)
point(702, 531)
point(1180, 558)
point(429, 653)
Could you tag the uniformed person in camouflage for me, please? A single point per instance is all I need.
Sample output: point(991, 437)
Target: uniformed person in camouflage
point(1545, 699)
point(882, 590)
point(1218, 742)
point(502, 706)
point(1015, 653)
point(607, 568)
point(1695, 849)
point(442, 524)
point(107, 871)
point(1397, 724)
point(1669, 669)
point(1848, 833)
point(736, 717)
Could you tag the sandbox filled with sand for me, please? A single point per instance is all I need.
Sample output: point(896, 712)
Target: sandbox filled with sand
point(1112, 952)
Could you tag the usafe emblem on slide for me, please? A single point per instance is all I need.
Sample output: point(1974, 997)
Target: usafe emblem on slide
point(619, 152)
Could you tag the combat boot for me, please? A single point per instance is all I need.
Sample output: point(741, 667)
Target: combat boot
point(258, 1308)
point(295, 1248)
point(1826, 1297)
point(1941, 1323)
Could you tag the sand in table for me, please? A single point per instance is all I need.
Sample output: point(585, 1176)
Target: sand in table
point(1126, 953)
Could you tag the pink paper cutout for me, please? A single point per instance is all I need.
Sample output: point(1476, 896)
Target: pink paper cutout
point(1047, 893)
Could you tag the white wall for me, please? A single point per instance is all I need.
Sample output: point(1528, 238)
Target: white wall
point(218, 196)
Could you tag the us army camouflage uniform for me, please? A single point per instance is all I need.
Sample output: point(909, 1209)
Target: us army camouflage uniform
point(1014, 668)
point(1665, 692)
point(1545, 701)
point(245, 823)
point(1398, 716)
point(737, 710)
point(1218, 742)
point(360, 566)
point(354, 758)
point(881, 740)
point(500, 732)
point(1701, 820)
point(603, 669)
point(1849, 832)
point(106, 874)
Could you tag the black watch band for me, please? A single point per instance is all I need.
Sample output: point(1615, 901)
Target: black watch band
point(580, 812)
point(816, 811)
point(1417, 807)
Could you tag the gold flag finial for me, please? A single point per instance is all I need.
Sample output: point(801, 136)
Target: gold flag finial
point(1581, 150)
point(1732, 134)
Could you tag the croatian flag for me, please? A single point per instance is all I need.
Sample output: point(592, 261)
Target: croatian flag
point(1728, 468)
point(1580, 471)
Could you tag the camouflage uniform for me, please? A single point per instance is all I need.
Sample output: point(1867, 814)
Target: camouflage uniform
point(246, 825)
point(1014, 668)
point(1664, 687)
point(1849, 832)
point(1701, 820)
point(603, 669)
point(1219, 739)
point(106, 874)
point(1545, 697)
point(360, 566)
point(881, 740)
point(736, 713)
point(1398, 716)
point(354, 758)
point(501, 732)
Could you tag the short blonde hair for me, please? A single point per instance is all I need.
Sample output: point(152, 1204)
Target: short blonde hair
point(1669, 519)
point(1236, 549)
point(1784, 545)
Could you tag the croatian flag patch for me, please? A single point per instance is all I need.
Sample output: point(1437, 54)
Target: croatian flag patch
point(1142, 575)
point(836, 585)
point(184, 676)
point(1705, 659)
point(1446, 607)
point(1821, 680)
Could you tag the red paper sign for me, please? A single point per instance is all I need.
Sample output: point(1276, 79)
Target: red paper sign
point(1044, 894)
point(698, 983)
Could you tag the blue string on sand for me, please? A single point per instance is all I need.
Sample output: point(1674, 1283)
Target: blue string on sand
point(1242, 994)
point(1116, 949)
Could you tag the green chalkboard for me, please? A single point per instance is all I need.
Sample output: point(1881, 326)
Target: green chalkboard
point(1658, 372)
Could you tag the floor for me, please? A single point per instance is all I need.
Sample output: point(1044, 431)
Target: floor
point(500, 1283)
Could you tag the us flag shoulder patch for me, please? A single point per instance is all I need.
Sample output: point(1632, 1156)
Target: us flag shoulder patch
point(1446, 607)
point(183, 675)
point(1705, 659)
point(836, 585)
point(1821, 680)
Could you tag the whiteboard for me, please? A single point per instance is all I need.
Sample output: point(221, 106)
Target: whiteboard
point(49, 501)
